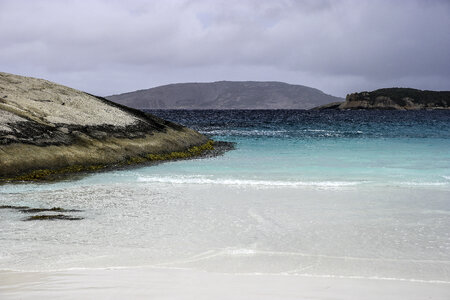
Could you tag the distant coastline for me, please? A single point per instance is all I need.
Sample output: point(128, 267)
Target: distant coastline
point(254, 95)
point(393, 99)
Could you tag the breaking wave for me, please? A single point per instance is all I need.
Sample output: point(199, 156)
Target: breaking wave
point(246, 182)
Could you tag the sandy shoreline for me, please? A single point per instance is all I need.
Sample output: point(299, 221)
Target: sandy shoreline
point(156, 283)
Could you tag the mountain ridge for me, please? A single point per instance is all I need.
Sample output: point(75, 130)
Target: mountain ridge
point(225, 95)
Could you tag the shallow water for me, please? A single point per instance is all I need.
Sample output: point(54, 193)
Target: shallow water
point(322, 148)
point(344, 195)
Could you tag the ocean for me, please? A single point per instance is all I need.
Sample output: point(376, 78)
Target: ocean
point(351, 196)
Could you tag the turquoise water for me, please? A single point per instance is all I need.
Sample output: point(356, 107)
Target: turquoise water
point(328, 194)
point(304, 148)
point(321, 162)
point(319, 148)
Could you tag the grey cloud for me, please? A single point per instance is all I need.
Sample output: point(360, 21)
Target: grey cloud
point(106, 47)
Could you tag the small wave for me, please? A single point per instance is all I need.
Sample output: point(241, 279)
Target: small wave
point(236, 132)
point(369, 278)
point(415, 183)
point(247, 182)
point(436, 212)
point(446, 177)
point(284, 133)
point(333, 131)
point(252, 252)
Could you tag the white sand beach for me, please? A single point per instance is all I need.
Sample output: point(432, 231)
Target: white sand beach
point(155, 283)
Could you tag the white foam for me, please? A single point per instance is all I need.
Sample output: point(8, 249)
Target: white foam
point(240, 252)
point(245, 182)
point(231, 252)
point(316, 130)
point(250, 133)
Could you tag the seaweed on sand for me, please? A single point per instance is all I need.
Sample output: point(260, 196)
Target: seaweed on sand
point(52, 217)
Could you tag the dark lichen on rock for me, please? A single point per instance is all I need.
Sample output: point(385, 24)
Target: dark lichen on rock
point(207, 149)
point(189, 153)
point(52, 174)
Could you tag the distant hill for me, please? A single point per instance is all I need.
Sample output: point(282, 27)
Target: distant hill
point(226, 95)
point(394, 98)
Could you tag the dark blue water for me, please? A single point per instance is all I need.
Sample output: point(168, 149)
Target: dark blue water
point(314, 124)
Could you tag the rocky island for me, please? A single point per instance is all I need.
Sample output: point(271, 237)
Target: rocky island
point(48, 129)
point(393, 99)
point(226, 95)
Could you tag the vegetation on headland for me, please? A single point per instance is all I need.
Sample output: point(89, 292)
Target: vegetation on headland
point(418, 95)
point(401, 96)
point(393, 99)
point(50, 174)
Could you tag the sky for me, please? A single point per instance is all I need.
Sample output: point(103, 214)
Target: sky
point(108, 47)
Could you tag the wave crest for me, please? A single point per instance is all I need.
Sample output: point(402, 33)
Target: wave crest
point(246, 182)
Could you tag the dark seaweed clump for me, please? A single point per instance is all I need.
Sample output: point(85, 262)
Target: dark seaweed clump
point(53, 209)
point(29, 210)
point(52, 217)
point(13, 207)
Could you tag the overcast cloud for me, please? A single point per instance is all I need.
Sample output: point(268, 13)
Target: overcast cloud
point(107, 47)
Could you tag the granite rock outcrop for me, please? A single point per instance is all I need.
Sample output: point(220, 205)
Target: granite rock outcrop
point(48, 128)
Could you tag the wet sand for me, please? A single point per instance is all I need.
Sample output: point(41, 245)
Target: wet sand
point(156, 283)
